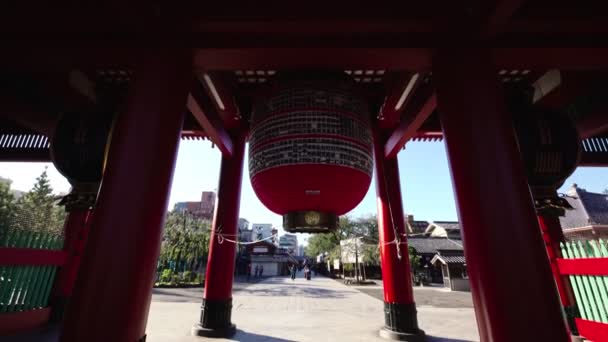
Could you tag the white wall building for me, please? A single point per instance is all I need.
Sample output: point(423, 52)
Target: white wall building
point(290, 243)
point(244, 231)
point(261, 231)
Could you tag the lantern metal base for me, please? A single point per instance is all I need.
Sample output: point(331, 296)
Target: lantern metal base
point(310, 222)
point(215, 319)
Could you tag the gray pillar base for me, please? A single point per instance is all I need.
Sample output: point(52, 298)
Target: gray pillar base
point(401, 323)
point(223, 332)
point(401, 336)
point(215, 319)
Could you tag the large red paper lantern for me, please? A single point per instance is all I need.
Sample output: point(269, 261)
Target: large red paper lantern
point(310, 151)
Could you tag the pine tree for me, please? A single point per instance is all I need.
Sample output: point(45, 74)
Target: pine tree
point(37, 209)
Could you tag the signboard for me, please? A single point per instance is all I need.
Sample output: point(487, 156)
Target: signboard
point(260, 249)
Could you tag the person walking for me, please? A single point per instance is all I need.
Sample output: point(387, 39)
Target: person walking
point(261, 270)
point(248, 272)
point(257, 270)
point(292, 268)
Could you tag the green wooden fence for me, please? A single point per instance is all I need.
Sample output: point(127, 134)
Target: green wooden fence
point(25, 287)
point(590, 292)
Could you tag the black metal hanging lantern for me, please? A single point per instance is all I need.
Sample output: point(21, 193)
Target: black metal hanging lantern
point(550, 148)
point(79, 144)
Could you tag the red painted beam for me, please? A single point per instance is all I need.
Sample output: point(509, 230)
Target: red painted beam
point(547, 58)
point(26, 115)
point(412, 59)
point(593, 124)
point(311, 58)
point(30, 256)
point(588, 266)
point(402, 88)
point(23, 321)
point(594, 159)
point(203, 110)
point(592, 331)
point(409, 126)
point(283, 54)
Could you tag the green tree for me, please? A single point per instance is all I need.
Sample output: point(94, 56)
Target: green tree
point(414, 258)
point(348, 228)
point(7, 206)
point(371, 254)
point(37, 209)
point(185, 241)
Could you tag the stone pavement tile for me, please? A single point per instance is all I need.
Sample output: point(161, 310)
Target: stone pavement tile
point(278, 309)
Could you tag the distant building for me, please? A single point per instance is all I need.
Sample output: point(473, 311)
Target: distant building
point(441, 261)
point(447, 229)
point(203, 209)
point(273, 259)
point(290, 243)
point(300, 251)
point(415, 227)
point(244, 231)
point(243, 224)
point(275, 236)
point(261, 231)
point(588, 218)
point(207, 205)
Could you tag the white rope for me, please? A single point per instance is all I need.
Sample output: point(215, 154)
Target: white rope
point(221, 238)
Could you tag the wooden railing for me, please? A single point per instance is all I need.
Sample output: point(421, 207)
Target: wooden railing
point(586, 265)
point(28, 264)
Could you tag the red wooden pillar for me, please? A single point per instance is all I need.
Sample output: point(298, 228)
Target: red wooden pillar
point(113, 290)
point(511, 282)
point(75, 234)
point(216, 311)
point(553, 236)
point(401, 322)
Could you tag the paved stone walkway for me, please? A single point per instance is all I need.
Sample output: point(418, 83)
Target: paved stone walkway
point(279, 309)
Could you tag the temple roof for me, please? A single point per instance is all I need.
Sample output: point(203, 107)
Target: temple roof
point(449, 259)
point(588, 208)
point(425, 245)
point(450, 225)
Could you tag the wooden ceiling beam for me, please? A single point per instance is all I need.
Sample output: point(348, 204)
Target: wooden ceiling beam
point(417, 112)
point(218, 89)
point(203, 110)
point(402, 87)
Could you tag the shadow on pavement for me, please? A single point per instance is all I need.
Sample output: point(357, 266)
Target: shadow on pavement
point(296, 291)
point(282, 286)
point(247, 336)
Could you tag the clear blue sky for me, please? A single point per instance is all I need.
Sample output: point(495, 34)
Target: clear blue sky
point(425, 181)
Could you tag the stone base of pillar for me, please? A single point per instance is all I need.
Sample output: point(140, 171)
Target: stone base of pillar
point(215, 319)
point(401, 323)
